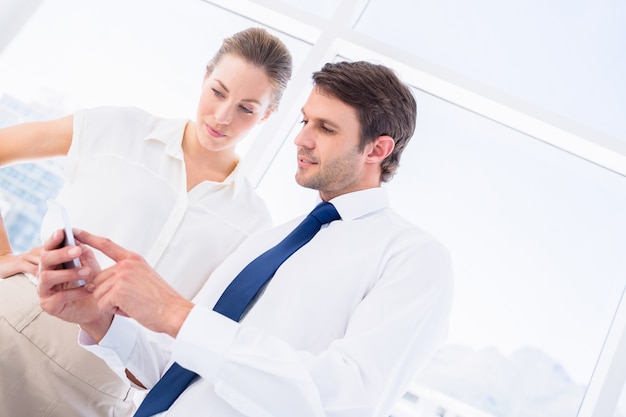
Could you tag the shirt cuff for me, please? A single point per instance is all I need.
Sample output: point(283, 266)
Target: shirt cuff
point(117, 344)
point(203, 341)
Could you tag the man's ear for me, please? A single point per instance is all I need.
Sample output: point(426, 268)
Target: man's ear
point(380, 148)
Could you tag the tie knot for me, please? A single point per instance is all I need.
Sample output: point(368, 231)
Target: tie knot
point(325, 212)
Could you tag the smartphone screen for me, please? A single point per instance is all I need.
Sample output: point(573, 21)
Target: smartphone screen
point(60, 215)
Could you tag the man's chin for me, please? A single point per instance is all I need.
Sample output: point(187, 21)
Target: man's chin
point(305, 182)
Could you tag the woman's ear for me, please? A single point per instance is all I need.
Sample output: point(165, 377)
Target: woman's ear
point(267, 114)
point(381, 148)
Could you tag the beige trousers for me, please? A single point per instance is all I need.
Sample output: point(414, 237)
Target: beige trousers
point(43, 370)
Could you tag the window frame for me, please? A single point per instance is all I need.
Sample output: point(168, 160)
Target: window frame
point(335, 37)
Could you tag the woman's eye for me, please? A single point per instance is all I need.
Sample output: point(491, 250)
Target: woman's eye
point(217, 92)
point(247, 110)
point(303, 121)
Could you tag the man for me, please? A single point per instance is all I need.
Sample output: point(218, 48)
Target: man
point(344, 322)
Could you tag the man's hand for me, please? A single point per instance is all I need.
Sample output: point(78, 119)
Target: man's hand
point(11, 264)
point(132, 288)
point(58, 293)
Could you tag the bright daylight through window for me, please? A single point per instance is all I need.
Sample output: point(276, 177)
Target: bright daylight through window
point(518, 163)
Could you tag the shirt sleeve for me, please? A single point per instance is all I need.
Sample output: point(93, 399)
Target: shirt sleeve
point(92, 131)
point(73, 154)
point(128, 345)
point(391, 334)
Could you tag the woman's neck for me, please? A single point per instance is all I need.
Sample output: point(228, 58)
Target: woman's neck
point(202, 164)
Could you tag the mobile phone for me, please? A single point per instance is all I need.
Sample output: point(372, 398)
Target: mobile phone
point(62, 216)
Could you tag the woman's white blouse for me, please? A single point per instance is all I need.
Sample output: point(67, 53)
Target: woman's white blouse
point(125, 180)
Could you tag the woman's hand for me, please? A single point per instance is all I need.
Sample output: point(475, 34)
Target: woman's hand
point(11, 264)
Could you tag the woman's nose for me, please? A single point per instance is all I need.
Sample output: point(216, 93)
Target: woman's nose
point(224, 114)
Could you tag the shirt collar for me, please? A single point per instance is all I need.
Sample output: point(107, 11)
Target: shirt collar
point(236, 178)
point(362, 203)
point(170, 132)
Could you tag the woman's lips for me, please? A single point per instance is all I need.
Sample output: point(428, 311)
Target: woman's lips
point(214, 132)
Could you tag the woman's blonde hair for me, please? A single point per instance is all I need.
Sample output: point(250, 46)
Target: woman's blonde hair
point(263, 50)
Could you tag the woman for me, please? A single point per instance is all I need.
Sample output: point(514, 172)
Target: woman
point(167, 189)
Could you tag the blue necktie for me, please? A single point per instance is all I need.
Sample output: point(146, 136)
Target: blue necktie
point(235, 300)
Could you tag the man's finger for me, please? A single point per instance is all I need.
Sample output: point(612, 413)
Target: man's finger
point(53, 258)
point(54, 303)
point(105, 245)
point(54, 241)
point(49, 281)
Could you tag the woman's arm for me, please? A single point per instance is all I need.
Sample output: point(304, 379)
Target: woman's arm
point(28, 141)
point(36, 140)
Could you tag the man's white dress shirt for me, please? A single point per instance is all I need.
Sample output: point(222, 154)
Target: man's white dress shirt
point(339, 331)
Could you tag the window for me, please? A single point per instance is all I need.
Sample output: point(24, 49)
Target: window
point(71, 54)
point(535, 235)
point(518, 164)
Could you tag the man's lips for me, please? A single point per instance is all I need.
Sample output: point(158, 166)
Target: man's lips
point(304, 160)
